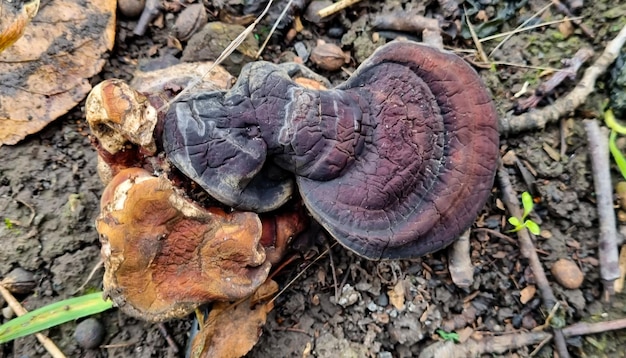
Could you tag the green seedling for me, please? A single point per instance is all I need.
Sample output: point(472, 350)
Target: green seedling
point(53, 315)
point(520, 223)
point(8, 223)
point(616, 127)
point(448, 336)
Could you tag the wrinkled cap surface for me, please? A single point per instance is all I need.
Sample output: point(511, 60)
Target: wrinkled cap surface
point(394, 163)
point(428, 164)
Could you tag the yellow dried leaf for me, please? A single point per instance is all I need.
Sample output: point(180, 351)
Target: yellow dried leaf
point(231, 330)
point(527, 293)
point(396, 295)
point(17, 25)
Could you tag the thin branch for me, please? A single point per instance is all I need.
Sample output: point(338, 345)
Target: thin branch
point(598, 146)
point(227, 51)
point(269, 36)
point(535, 15)
point(497, 36)
point(336, 7)
point(527, 249)
point(571, 101)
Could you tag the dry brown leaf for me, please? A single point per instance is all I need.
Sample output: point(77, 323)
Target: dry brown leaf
point(45, 73)
point(13, 23)
point(396, 295)
point(231, 330)
point(527, 293)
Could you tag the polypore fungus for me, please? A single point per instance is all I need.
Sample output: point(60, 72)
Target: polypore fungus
point(394, 163)
point(165, 255)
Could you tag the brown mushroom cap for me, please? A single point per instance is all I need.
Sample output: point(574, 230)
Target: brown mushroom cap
point(394, 163)
point(164, 255)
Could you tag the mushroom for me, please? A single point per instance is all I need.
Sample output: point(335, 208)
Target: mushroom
point(165, 255)
point(124, 118)
point(394, 163)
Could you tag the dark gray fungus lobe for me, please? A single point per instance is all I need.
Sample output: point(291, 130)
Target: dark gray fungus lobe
point(394, 163)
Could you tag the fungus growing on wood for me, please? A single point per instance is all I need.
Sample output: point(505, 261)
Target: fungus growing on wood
point(165, 255)
point(396, 162)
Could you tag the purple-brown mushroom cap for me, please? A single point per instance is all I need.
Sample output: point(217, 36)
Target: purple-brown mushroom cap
point(427, 167)
point(394, 163)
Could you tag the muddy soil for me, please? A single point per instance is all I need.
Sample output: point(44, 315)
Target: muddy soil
point(342, 305)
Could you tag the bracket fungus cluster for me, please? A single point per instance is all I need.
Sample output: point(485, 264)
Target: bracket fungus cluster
point(394, 163)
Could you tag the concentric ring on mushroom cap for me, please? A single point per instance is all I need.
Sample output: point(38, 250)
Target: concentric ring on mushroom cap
point(423, 175)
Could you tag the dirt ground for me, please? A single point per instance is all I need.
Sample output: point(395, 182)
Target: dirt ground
point(343, 305)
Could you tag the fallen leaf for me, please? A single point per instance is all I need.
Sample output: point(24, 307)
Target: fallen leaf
point(527, 293)
point(45, 73)
point(17, 22)
point(396, 295)
point(232, 329)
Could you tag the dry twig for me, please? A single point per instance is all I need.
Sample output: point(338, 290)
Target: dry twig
point(170, 341)
point(509, 35)
point(566, 104)
point(269, 36)
point(607, 242)
point(227, 51)
point(508, 342)
point(527, 249)
point(565, 11)
point(460, 262)
point(336, 7)
point(151, 10)
point(573, 65)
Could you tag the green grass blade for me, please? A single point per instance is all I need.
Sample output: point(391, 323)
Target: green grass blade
point(53, 315)
point(617, 155)
point(613, 123)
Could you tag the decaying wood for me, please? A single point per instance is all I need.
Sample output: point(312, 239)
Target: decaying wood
point(607, 241)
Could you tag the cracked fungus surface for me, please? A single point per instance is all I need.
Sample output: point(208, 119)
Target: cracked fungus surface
point(394, 163)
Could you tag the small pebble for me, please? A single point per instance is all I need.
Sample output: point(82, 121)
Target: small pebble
point(19, 281)
point(301, 51)
point(190, 21)
point(329, 57)
point(8, 313)
point(336, 32)
point(314, 7)
point(131, 8)
point(567, 274)
point(89, 333)
point(382, 300)
point(372, 307)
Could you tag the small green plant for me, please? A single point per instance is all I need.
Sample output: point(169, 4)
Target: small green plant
point(520, 223)
point(8, 223)
point(448, 336)
point(10, 226)
point(616, 127)
point(52, 315)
